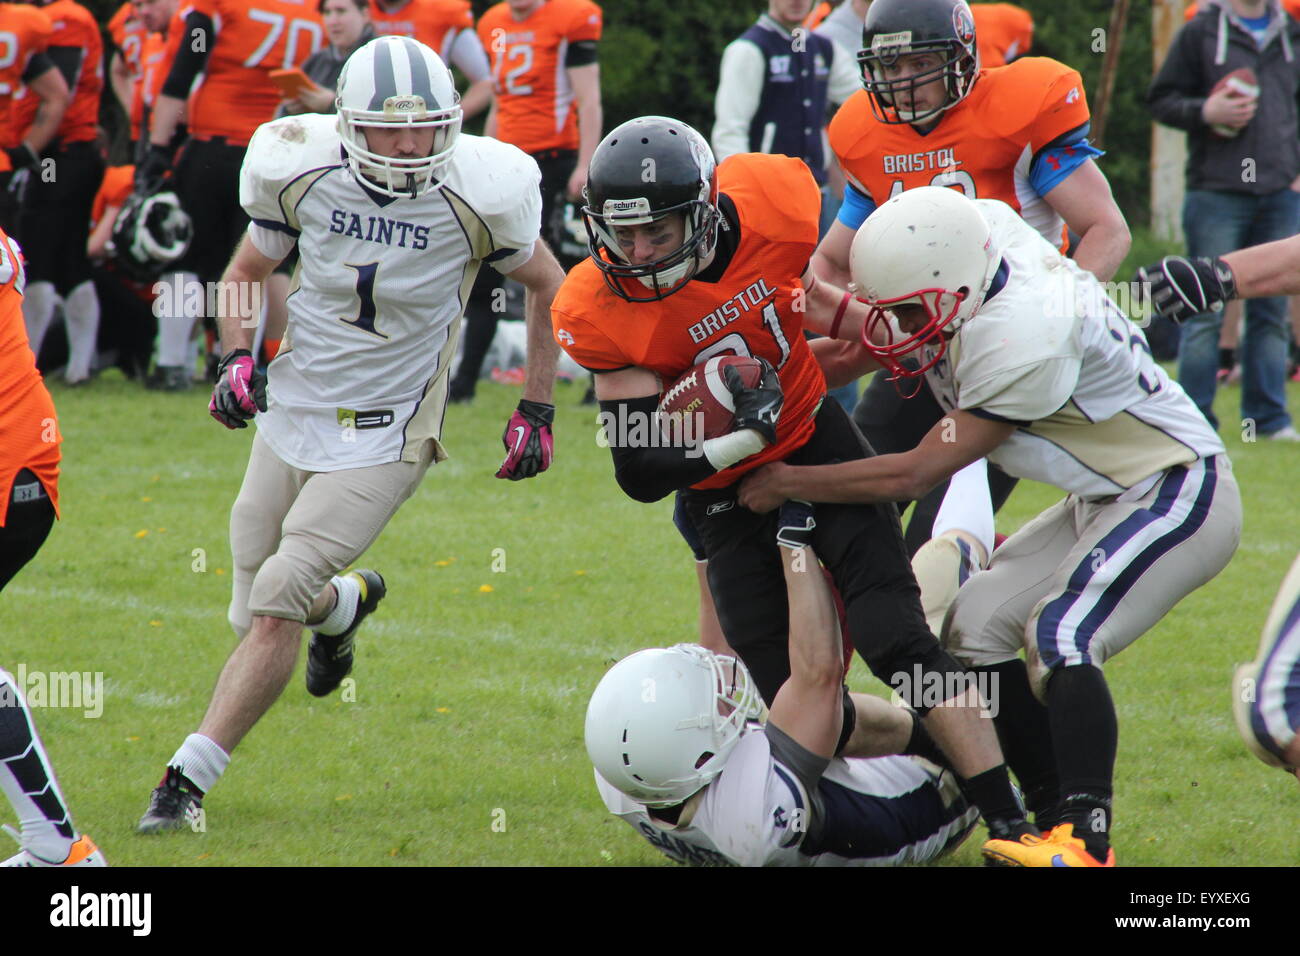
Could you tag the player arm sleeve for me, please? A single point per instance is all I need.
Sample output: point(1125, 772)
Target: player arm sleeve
point(468, 56)
point(38, 64)
point(1025, 395)
point(740, 85)
point(580, 53)
point(857, 206)
point(68, 60)
point(807, 768)
point(1178, 91)
point(270, 242)
point(1054, 163)
point(191, 58)
point(648, 473)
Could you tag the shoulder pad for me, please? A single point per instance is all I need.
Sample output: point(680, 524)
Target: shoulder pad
point(776, 195)
point(279, 153)
point(492, 176)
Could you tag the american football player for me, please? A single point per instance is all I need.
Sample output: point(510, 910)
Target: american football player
point(1040, 371)
point(29, 503)
point(696, 261)
point(393, 211)
point(54, 221)
point(728, 790)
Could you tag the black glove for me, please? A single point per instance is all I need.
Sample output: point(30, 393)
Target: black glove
point(153, 169)
point(528, 440)
point(795, 524)
point(758, 407)
point(23, 156)
point(240, 392)
point(1181, 288)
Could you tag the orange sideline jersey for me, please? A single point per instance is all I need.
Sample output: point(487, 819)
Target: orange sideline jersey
point(29, 428)
point(748, 312)
point(75, 26)
point(984, 145)
point(234, 96)
point(434, 23)
point(24, 31)
point(114, 190)
point(818, 13)
point(159, 52)
point(534, 100)
point(128, 34)
point(1003, 31)
point(1290, 6)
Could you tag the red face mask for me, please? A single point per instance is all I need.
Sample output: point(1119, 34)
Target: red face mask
point(940, 315)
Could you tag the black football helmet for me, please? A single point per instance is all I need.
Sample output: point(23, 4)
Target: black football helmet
point(646, 169)
point(895, 28)
point(149, 235)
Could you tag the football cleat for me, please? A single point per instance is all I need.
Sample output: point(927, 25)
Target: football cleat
point(174, 804)
point(1060, 848)
point(329, 657)
point(83, 853)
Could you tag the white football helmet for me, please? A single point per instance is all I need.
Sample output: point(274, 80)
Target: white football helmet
point(929, 246)
point(397, 81)
point(149, 234)
point(662, 722)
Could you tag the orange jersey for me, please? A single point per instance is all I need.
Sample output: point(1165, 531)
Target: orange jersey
point(29, 428)
point(985, 145)
point(434, 23)
point(129, 36)
point(73, 25)
point(253, 37)
point(24, 32)
point(1292, 7)
point(114, 190)
point(159, 52)
point(751, 310)
point(535, 108)
point(1003, 31)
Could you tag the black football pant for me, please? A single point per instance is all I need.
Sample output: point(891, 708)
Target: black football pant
point(54, 222)
point(893, 424)
point(206, 180)
point(482, 310)
point(862, 545)
point(27, 524)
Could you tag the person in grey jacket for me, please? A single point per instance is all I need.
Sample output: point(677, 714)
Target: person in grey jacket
point(348, 26)
point(1243, 170)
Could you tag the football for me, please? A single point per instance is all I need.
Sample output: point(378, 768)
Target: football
point(698, 405)
point(1242, 82)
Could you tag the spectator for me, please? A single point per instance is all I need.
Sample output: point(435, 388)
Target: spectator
point(1241, 182)
point(347, 26)
point(447, 27)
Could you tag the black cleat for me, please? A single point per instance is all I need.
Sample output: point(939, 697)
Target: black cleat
point(174, 804)
point(329, 657)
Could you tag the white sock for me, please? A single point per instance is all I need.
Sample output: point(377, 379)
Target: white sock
point(201, 761)
point(38, 312)
point(967, 506)
point(81, 313)
point(174, 324)
point(27, 779)
point(345, 606)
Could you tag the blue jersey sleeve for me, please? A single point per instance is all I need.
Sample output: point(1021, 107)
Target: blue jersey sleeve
point(1054, 163)
point(856, 207)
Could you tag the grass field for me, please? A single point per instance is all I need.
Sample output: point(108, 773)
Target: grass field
point(507, 602)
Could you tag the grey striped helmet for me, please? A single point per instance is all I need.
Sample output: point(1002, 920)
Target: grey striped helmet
point(397, 81)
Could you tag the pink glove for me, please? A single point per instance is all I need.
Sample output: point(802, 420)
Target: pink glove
point(240, 392)
point(528, 440)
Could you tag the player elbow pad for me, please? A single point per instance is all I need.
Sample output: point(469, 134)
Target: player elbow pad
point(648, 465)
point(192, 56)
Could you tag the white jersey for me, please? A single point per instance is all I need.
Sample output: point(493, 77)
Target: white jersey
point(361, 377)
point(1052, 353)
point(882, 811)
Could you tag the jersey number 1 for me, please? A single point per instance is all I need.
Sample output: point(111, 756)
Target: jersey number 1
point(365, 319)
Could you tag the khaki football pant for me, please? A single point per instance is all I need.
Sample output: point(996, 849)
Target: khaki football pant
point(292, 530)
point(1085, 579)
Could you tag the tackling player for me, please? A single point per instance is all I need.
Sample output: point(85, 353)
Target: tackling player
point(735, 792)
point(29, 503)
point(695, 262)
point(392, 211)
point(54, 222)
point(1039, 371)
